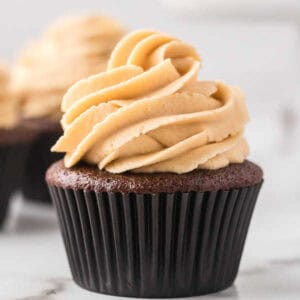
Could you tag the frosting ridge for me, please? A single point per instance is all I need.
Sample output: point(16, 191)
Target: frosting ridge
point(149, 113)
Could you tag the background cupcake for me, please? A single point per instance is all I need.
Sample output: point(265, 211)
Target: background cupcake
point(14, 143)
point(9, 113)
point(71, 49)
point(155, 195)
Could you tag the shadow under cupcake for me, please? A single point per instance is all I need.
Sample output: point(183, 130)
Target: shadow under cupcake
point(155, 195)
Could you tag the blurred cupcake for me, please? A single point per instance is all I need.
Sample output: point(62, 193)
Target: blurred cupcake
point(155, 194)
point(14, 143)
point(71, 49)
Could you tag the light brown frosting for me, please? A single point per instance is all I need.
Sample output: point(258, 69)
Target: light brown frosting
point(71, 49)
point(8, 104)
point(149, 113)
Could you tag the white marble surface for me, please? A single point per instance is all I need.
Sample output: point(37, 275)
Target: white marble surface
point(33, 264)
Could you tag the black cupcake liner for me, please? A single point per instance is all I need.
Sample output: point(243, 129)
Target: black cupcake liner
point(12, 164)
point(40, 158)
point(160, 245)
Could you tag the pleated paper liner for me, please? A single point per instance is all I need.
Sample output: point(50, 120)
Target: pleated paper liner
point(40, 158)
point(12, 163)
point(161, 245)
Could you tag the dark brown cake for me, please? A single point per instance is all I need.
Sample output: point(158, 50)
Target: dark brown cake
point(40, 158)
point(85, 177)
point(14, 147)
point(43, 125)
point(17, 135)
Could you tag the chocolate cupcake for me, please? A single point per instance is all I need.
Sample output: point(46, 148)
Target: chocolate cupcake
point(155, 194)
point(14, 144)
point(71, 49)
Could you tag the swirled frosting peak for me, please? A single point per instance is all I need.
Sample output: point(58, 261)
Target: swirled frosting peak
point(149, 113)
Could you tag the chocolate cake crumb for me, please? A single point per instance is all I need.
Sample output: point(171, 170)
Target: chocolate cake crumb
point(90, 178)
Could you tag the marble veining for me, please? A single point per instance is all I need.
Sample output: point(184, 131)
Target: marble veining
point(292, 262)
point(58, 286)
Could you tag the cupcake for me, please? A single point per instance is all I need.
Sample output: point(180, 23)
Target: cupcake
point(14, 143)
point(154, 195)
point(71, 49)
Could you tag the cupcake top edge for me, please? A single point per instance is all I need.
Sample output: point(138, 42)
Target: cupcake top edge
point(89, 178)
point(149, 113)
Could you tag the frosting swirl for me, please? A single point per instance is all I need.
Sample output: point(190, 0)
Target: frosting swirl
point(71, 49)
point(8, 105)
point(149, 113)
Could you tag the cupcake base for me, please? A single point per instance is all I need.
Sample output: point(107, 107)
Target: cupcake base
point(162, 244)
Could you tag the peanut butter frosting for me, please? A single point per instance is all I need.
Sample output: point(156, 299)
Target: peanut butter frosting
point(8, 104)
point(71, 49)
point(148, 112)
